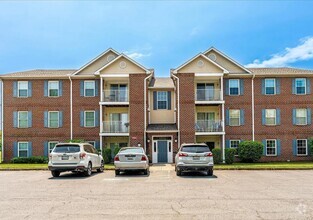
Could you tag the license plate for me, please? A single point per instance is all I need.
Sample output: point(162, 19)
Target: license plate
point(196, 158)
point(64, 157)
point(130, 158)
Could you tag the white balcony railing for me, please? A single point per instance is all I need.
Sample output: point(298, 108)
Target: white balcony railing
point(209, 126)
point(208, 95)
point(115, 96)
point(115, 127)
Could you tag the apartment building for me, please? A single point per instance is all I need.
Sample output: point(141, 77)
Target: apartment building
point(115, 101)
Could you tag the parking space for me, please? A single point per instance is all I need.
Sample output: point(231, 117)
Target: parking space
point(161, 195)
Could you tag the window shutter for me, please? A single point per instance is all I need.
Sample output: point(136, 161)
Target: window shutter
point(242, 116)
point(227, 87)
point(293, 86)
point(242, 87)
point(97, 88)
point(308, 86)
point(14, 89)
point(309, 116)
point(294, 119)
point(81, 87)
point(15, 118)
point(264, 147)
point(263, 117)
point(309, 149)
point(97, 145)
point(30, 118)
point(81, 118)
point(45, 149)
point(45, 85)
point(45, 119)
point(294, 147)
point(155, 101)
point(263, 86)
point(277, 86)
point(60, 88)
point(169, 98)
point(277, 116)
point(278, 147)
point(30, 149)
point(227, 117)
point(15, 153)
point(60, 119)
point(227, 144)
point(30, 88)
point(97, 120)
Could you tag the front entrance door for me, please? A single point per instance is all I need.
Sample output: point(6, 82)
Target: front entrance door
point(211, 145)
point(162, 151)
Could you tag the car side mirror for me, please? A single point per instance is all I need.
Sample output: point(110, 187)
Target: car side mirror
point(99, 152)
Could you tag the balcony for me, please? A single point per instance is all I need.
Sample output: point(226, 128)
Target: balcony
point(115, 128)
point(206, 96)
point(115, 97)
point(209, 127)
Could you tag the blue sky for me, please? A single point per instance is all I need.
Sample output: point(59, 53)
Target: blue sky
point(159, 34)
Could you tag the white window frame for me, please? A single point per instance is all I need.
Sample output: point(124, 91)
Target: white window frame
point(93, 143)
point(274, 86)
point(166, 100)
point(306, 116)
point(49, 119)
point(271, 155)
point(230, 142)
point(55, 81)
point(232, 87)
point(230, 118)
point(94, 119)
point(18, 89)
point(18, 119)
point(18, 147)
point(304, 86)
point(274, 117)
point(50, 142)
point(94, 88)
point(306, 147)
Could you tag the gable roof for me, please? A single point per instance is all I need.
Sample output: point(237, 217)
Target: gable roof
point(161, 82)
point(127, 58)
point(95, 59)
point(227, 58)
point(203, 56)
point(280, 71)
point(40, 73)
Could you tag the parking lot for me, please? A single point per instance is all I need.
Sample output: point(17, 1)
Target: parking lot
point(162, 195)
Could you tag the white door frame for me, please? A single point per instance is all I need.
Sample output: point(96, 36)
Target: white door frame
point(155, 149)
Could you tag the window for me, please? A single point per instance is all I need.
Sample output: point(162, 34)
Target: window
point(234, 87)
point(22, 88)
point(234, 117)
point(23, 119)
point(53, 119)
point(301, 116)
point(51, 145)
point(53, 88)
point(162, 99)
point(89, 88)
point(234, 143)
point(271, 148)
point(300, 86)
point(22, 149)
point(302, 147)
point(89, 118)
point(270, 116)
point(270, 86)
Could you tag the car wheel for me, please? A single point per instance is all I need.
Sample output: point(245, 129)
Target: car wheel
point(100, 170)
point(146, 172)
point(210, 172)
point(88, 172)
point(55, 173)
point(117, 172)
point(178, 172)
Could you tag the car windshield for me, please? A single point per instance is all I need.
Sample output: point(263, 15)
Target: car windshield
point(131, 150)
point(66, 149)
point(195, 149)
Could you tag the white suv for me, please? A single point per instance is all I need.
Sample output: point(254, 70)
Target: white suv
point(75, 157)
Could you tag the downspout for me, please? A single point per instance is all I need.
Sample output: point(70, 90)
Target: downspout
point(252, 83)
point(178, 110)
point(145, 111)
point(71, 107)
point(2, 114)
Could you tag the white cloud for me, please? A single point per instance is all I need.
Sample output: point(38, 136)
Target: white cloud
point(136, 55)
point(304, 51)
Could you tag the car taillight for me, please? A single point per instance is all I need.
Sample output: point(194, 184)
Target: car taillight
point(116, 158)
point(143, 158)
point(82, 155)
point(182, 155)
point(209, 155)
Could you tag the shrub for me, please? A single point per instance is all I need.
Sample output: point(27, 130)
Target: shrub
point(107, 155)
point(310, 144)
point(33, 159)
point(250, 151)
point(217, 155)
point(116, 150)
point(75, 141)
point(230, 155)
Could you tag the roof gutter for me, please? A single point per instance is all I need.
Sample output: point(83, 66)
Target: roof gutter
point(145, 111)
point(178, 109)
point(2, 114)
point(252, 84)
point(71, 107)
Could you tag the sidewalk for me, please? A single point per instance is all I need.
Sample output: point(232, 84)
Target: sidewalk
point(162, 167)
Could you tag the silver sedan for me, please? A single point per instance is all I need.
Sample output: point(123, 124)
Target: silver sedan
point(131, 158)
